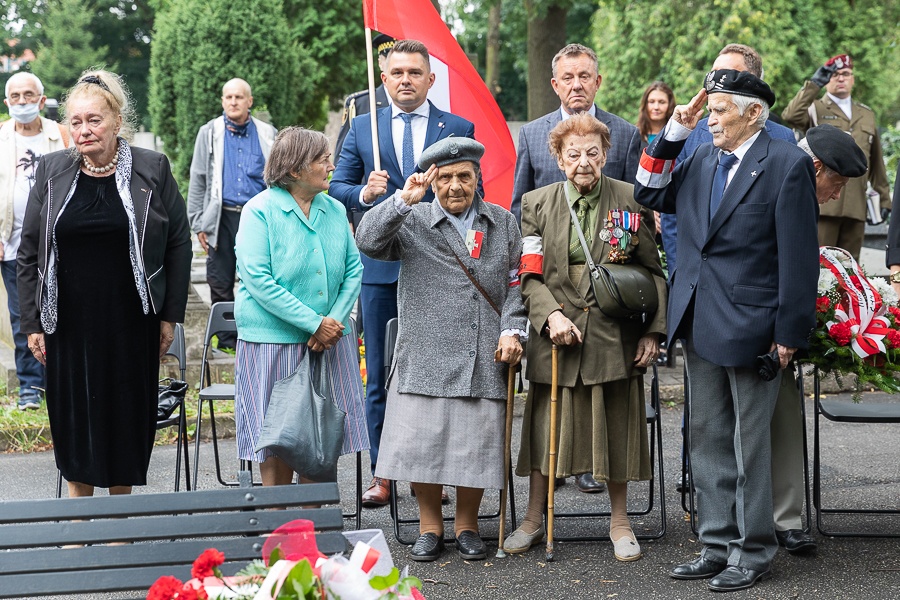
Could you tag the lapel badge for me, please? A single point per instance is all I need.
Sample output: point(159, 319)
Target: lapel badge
point(441, 124)
point(753, 174)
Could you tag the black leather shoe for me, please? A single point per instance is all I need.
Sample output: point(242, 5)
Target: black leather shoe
point(470, 545)
point(734, 578)
point(587, 484)
point(699, 568)
point(427, 548)
point(796, 541)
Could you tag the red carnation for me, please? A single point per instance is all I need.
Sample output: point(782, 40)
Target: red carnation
point(840, 333)
point(165, 588)
point(207, 564)
point(894, 311)
point(893, 337)
point(823, 304)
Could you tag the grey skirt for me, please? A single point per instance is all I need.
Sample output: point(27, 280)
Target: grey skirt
point(448, 441)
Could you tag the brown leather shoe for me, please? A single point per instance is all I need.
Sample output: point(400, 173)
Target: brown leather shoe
point(445, 499)
point(378, 494)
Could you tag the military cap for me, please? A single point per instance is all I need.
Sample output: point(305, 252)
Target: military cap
point(383, 43)
point(741, 83)
point(837, 150)
point(841, 61)
point(451, 150)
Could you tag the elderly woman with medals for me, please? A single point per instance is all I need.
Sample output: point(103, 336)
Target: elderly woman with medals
point(602, 424)
point(459, 304)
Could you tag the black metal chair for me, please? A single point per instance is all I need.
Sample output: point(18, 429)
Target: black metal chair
point(177, 349)
point(390, 341)
point(842, 411)
point(658, 480)
point(688, 494)
point(221, 320)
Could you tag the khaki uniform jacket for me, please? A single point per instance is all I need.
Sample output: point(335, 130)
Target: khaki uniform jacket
point(852, 203)
point(609, 347)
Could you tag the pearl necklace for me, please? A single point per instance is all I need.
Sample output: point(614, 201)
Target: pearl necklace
point(104, 169)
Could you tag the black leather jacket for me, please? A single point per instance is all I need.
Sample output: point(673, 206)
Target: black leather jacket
point(160, 215)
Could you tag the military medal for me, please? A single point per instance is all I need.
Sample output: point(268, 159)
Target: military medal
point(616, 256)
point(605, 235)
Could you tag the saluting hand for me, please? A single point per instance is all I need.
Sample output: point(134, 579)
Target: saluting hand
point(688, 115)
point(417, 186)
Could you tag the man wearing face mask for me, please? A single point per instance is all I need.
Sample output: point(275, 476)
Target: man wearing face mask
point(24, 139)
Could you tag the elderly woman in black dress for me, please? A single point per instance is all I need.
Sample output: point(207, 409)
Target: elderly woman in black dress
point(103, 271)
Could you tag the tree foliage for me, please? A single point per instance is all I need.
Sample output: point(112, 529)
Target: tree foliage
point(201, 44)
point(67, 48)
point(639, 41)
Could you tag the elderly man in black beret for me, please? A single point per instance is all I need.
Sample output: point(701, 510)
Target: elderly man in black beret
point(837, 158)
point(458, 304)
point(745, 287)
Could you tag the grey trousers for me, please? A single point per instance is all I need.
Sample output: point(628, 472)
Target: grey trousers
point(787, 455)
point(731, 461)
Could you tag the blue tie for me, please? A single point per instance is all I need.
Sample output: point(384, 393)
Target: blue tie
point(726, 161)
point(409, 161)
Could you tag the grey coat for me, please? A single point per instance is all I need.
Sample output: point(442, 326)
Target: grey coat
point(448, 332)
point(536, 168)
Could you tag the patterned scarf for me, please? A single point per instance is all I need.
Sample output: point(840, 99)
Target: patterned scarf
point(239, 130)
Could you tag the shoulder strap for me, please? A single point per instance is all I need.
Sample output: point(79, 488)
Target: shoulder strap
point(587, 253)
point(475, 282)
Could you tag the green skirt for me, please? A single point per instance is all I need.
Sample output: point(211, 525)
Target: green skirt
point(601, 429)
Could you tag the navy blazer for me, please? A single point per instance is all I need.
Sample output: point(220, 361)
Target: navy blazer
point(748, 277)
point(536, 167)
point(357, 161)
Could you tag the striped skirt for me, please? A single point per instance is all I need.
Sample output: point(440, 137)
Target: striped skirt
point(258, 366)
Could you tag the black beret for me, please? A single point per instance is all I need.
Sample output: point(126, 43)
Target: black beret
point(383, 43)
point(742, 83)
point(451, 150)
point(837, 150)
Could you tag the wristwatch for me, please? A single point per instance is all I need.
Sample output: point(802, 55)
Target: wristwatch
point(895, 277)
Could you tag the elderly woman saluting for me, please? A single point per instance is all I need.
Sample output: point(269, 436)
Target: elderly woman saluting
point(445, 411)
point(602, 419)
point(103, 272)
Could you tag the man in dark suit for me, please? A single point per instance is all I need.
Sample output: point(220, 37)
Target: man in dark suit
point(405, 129)
point(745, 287)
point(576, 81)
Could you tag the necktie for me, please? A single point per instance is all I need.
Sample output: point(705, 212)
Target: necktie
point(409, 161)
point(726, 161)
point(581, 212)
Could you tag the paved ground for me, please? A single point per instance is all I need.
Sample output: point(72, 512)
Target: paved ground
point(860, 468)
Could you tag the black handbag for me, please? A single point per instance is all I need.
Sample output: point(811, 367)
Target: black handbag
point(302, 425)
point(171, 395)
point(622, 291)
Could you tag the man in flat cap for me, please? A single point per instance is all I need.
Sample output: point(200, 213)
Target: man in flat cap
point(745, 287)
point(842, 223)
point(459, 303)
point(405, 129)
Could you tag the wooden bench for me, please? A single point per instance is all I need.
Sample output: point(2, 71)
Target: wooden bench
point(165, 533)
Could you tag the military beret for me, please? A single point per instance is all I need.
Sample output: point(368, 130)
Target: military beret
point(383, 43)
point(841, 61)
point(451, 150)
point(837, 150)
point(741, 83)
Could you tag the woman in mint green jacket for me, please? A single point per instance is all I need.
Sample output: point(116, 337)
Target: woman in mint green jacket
point(300, 275)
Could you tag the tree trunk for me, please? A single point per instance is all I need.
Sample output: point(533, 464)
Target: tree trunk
point(492, 54)
point(546, 36)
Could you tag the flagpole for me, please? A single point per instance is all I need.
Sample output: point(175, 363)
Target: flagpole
point(373, 117)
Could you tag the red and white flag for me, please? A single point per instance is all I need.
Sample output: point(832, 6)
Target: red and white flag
point(466, 93)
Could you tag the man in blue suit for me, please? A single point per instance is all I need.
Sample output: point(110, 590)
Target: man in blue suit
point(740, 58)
point(745, 288)
point(405, 129)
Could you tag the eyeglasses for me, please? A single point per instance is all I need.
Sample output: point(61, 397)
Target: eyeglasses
point(843, 75)
point(29, 97)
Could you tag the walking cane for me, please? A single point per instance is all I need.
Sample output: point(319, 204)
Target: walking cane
point(507, 451)
point(551, 490)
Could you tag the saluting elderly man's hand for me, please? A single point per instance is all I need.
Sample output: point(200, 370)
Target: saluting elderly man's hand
point(417, 186)
point(688, 115)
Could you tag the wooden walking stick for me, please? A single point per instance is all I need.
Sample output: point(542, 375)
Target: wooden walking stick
point(507, 458)
point(551, 490)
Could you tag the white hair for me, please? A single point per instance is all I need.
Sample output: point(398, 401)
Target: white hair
point(745, 102)
point(804, 145)
point(25, 75)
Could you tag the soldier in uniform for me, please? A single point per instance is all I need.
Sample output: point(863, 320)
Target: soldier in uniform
point(842, 222)
point(357, 103)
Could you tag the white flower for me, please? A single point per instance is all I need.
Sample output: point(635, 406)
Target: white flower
point(884, 289)
point(827, 281)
